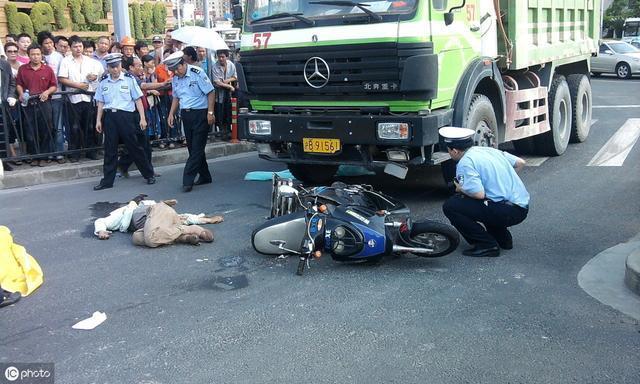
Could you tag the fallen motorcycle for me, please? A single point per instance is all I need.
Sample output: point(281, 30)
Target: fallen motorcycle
point(352, 223)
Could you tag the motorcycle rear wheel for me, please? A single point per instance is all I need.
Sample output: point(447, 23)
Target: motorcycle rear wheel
point(440, 237)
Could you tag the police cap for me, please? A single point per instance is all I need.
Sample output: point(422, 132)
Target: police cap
point(458, 138)
point(173, 60)
point(113, 59)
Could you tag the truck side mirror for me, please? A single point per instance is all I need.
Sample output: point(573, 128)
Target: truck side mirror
point(448, 18)
point(237, 12)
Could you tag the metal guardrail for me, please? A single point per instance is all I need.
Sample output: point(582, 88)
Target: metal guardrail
point(62, 136)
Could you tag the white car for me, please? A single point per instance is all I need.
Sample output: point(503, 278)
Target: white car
point(617, 57)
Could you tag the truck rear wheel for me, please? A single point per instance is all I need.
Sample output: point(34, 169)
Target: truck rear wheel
point(555, 142)
point(482, 118)
point(581, 99)
point(313, 173)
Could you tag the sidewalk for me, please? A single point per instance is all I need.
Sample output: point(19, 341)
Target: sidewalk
point(26, 175)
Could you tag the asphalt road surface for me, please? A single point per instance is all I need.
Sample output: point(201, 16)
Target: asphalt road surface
point(220, 313)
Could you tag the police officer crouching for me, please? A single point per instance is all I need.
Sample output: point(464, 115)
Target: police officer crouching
point(193, 93)
point(119, 96)
point(489, 191)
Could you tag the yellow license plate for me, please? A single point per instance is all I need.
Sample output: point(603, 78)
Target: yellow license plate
point(320, 145)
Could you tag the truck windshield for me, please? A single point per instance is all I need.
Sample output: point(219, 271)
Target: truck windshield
point(261, 9)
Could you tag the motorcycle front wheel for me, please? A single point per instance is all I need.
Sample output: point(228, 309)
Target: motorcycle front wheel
point(441, 238)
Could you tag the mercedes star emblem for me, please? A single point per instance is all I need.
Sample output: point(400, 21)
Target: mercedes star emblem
point(316, 72)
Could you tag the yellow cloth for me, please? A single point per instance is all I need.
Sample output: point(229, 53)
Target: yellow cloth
point(19, 271)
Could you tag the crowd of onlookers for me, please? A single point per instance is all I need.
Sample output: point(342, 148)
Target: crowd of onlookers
point(48, 112)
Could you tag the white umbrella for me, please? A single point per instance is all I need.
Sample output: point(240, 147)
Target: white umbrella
point(200, 37)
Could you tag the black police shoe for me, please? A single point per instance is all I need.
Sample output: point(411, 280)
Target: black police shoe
point(482, 252)
point(151, 180)
point(102, 186)
point(187, 188)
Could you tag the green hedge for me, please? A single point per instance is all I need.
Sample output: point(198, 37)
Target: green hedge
point(42, 16)
point(90, 11)
point(137, 31)
point(58, 13)
point(159, 17)
point(75, 8)
point(19, 22)
point(147, 18)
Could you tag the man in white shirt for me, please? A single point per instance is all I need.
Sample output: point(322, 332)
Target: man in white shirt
point(53, 58)
point(81, 73)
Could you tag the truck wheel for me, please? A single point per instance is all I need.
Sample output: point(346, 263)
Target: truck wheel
point(555, 142)
point(524, 146)
point(623, 71)
point(313, 173)
point(581, 99)
point(482, 119)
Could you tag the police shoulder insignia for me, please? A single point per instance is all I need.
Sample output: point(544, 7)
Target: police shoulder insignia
point(104, 76)
point(195, 69)
point(460, 179)
point(127, 74)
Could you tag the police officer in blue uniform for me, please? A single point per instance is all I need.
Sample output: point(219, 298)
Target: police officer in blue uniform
point(193, 94)
point(118, 97)
point(489, 191)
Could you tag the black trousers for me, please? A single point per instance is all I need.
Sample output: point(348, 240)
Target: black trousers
point(122, 126)
point(126, 160)
point(196, 129)
point(82, 133)
point(466, 214)
point(38, 130)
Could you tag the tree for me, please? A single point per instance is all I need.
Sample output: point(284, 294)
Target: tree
point(42, 16)
point(91, 11)
point(76, 12)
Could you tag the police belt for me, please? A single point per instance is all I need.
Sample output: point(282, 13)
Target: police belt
point(193, 110)
point(506, 202)
point(114, 110)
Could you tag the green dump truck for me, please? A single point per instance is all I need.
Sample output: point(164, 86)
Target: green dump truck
point(370, 83)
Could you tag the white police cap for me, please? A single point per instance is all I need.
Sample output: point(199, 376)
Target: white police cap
point(173, 60)
point(113, 58)
point(455, 137)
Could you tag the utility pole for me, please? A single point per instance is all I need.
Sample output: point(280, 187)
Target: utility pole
point(205, 10)
point(121, 18)
point(179, 16)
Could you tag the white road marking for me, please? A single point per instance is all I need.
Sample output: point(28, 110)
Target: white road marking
point(616, 150)
point(616, 106)
point(536, 161)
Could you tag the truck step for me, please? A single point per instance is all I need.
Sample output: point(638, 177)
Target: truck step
point(439, 157)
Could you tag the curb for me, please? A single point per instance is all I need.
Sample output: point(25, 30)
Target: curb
point(93, 168)
point(632, 272)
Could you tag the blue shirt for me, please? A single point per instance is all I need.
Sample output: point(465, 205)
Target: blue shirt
point(120, 93)
point(192, 88)
point(492, 171)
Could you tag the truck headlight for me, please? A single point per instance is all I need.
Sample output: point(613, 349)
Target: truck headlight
point(393, 131)
point(260, 127)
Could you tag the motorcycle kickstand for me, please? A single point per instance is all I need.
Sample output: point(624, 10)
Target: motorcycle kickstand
point(301, 265)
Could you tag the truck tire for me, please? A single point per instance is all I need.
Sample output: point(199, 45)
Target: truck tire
point(482, 118)
point(582, 101)
point(313, 174)
point(555, 142)
point(525, 146)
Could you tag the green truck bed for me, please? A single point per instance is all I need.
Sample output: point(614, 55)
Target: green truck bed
point(542, 31)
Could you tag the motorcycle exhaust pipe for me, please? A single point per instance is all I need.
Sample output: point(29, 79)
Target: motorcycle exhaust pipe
point(400, 248)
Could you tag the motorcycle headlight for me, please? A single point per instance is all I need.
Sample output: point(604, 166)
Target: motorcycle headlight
point(260, 127)
point(345, 241)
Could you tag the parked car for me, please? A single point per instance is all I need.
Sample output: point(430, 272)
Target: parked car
point(617, 57)
point(635, 42)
